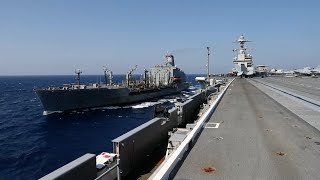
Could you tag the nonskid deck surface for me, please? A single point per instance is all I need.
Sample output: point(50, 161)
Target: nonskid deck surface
point(257, 138)
point(305, 86)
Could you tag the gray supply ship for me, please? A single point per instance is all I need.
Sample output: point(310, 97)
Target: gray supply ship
point(160, 81)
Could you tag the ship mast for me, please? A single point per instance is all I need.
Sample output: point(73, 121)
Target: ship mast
point(242, 42)
point(78, 72)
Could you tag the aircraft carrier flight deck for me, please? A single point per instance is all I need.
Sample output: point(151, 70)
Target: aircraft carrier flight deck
point(258, 137)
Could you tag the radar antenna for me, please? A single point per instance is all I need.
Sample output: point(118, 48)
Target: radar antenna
point(242, 40)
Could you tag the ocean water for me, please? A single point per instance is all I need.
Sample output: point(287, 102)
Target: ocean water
point(33, 145)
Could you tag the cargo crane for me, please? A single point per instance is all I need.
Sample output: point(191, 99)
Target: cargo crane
point(78, 72)
point(129, 75)
point(146, 78)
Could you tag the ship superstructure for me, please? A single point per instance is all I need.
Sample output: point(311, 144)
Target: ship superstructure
point(164, 75)
point(243, 61)
point(160, 81)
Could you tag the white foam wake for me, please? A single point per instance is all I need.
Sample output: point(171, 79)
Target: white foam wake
point(145, 104)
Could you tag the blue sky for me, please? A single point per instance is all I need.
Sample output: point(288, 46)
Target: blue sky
point(57, 36)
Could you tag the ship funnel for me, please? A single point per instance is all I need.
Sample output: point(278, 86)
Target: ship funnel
point(170, 59)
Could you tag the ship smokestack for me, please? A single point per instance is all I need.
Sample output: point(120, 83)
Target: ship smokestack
point(170, 59)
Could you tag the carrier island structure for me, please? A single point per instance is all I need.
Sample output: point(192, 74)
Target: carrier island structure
point(243, 61)
point(159, 81)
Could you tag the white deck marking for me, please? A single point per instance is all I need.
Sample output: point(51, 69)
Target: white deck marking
point(212, 126)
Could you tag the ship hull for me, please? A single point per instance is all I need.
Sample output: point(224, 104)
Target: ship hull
point(69, 100)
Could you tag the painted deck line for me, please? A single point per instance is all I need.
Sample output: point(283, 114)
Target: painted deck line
point(313, 104)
